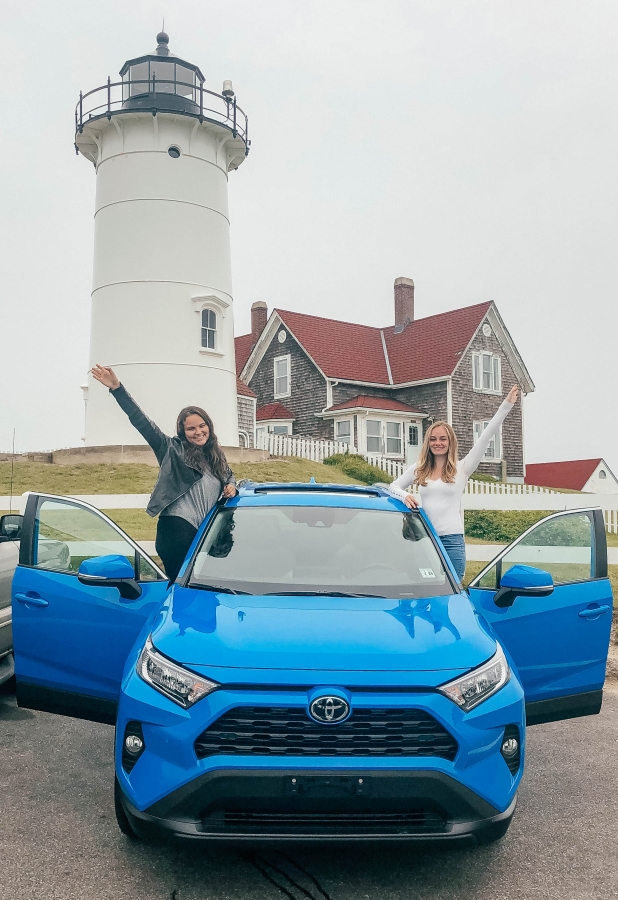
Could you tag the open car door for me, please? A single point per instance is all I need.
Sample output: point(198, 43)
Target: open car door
point(558, 638)
point(71, 639)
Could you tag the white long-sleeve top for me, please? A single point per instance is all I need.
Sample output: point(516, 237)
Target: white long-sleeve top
point(441, 500)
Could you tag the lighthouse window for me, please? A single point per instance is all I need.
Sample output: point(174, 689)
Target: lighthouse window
point(174, 152)
point(209, 328)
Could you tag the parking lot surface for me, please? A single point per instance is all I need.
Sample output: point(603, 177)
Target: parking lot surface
point(59, 839)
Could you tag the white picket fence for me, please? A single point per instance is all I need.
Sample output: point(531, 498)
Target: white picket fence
point(305, 448)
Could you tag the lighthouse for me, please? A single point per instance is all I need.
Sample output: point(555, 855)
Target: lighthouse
point(163, 146)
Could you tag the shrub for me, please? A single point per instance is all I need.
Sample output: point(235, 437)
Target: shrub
point(356, 466)
point(502, 526)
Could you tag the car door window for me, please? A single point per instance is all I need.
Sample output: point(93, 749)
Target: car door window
point(562, 546)
point(67, 534)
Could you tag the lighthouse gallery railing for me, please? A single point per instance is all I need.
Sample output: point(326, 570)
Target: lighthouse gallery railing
point(117, 97)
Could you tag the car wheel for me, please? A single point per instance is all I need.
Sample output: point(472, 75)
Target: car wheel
point(121, 816)
point(493, 833)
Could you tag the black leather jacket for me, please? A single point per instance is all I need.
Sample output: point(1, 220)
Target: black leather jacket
point(176, 477)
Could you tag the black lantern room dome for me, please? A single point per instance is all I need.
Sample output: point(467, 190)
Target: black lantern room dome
point(160, 80)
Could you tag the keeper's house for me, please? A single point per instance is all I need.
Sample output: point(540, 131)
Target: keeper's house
point(378, 389)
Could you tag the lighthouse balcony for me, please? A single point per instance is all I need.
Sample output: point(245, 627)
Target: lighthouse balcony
point(180, 93)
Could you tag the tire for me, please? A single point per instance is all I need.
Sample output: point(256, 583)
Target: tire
point(493, 833)
point(121, 816)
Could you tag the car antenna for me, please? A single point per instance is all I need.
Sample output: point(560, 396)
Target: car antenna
point(11, 480)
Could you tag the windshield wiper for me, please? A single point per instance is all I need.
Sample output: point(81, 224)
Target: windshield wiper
point(217, 587)
point(320, 594)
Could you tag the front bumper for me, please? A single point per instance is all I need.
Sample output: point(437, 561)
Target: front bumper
point(169, 790)
point(234, 805)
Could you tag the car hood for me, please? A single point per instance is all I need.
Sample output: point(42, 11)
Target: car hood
point(214, 630)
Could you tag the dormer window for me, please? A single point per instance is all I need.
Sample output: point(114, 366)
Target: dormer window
point(602, 473)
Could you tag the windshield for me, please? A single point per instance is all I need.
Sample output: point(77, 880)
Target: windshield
point(312, 549)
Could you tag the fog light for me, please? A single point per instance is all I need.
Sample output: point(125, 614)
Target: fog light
point(510, 747)
point(134, 744)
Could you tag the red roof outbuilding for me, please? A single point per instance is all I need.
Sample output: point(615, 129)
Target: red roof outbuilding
point(572, 474)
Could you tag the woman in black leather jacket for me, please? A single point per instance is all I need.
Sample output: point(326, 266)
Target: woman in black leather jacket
point(194, 472)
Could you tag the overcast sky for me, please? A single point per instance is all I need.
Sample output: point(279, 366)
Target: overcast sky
point(471, 145)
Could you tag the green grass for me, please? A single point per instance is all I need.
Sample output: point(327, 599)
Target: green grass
point(135, 478)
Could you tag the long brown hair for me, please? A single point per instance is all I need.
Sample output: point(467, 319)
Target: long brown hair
point(427, 461)
point(210, 455)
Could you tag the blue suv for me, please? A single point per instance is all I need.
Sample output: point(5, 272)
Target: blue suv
point(316, 671)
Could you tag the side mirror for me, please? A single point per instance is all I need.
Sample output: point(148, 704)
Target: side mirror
point(523, 580)
point(110, 571)
point(10, 527)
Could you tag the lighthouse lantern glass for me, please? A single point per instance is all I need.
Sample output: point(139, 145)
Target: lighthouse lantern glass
point(162, 76)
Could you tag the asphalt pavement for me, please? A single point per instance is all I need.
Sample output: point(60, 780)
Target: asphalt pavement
point(59, 839)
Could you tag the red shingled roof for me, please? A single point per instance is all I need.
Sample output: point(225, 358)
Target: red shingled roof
point(365, 401)
point(432, 347)
point(572, 474)
point(243, 389)
point(243, 351)
point(426, 348)
point(273, 411)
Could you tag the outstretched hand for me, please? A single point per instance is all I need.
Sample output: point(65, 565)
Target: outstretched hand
point(512, 394)
point(106, 376)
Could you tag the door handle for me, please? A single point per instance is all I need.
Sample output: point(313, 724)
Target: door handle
point(593, 612)
point(31, 601)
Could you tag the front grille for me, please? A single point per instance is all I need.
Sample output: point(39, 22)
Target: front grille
point(287, 731)
point(424, 821)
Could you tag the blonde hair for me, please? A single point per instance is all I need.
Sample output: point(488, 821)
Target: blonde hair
point(427, 461)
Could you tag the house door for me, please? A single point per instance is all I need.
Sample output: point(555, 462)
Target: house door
point(414, 439)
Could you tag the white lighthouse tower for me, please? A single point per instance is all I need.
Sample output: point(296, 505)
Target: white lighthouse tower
point(162, 310)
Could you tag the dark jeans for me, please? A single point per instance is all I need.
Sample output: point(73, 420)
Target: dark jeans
point(174, 537)
point(455, 546)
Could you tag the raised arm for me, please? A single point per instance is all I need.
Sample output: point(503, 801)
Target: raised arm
point(470, 463)
point(147, 428)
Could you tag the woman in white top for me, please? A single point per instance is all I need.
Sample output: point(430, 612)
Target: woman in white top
point(441, 479)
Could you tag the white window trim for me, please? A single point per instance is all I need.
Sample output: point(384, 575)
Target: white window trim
point(383, 437)
point(336, 422)
point(277, 359)
point(481, 390)
point(488, 459)
point(219, 311)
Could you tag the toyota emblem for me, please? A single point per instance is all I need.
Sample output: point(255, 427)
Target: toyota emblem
point(329, 710)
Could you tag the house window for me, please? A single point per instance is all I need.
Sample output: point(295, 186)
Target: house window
point(486, 373)
point(494, 450)
point(282, 376)
point(209, 328)
point(393, 438)
point(602, 473)
point(281, 429)
point(343, 431)
point(374, 436)
point(413, 435)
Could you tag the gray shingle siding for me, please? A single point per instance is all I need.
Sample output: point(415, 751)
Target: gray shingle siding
point(246, 417)
point(308, 388)
point(472, 406)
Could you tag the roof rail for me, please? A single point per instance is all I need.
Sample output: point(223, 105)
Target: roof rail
point(298, 487)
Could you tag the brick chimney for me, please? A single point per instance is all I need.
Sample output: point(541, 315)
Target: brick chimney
point(259, 317)
point(404, 302)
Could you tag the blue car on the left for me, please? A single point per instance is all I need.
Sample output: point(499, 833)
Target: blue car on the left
point(316, 671)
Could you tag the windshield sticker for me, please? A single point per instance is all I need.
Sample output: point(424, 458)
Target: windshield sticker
point(427, 573)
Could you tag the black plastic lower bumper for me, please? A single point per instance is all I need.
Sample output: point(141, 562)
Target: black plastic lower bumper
point(295, 805)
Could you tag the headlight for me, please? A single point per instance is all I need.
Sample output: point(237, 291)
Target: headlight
point(180, 685)
point(470, 690)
